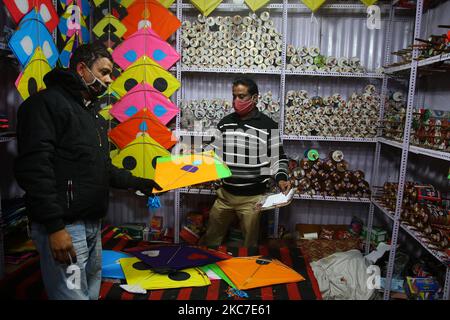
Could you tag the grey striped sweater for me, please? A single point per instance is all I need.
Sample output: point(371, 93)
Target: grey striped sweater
point(253, 151)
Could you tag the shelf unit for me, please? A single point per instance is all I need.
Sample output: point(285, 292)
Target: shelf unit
point(441, 257)
point(405, 147)
point(296, 196)
point(283, 74)
point(417, 150)
point(420, 63)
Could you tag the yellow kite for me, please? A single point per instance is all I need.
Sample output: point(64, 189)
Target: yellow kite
point(31, 80)
point(256, 4)
point(139, 274)
point(369, 2)
point(313, 4)
point(140, 156)
point(206, 6)
point(146, 70)
point(109, 21)
point(166, 3)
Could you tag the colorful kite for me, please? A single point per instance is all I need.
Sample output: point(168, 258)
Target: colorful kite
point(206, 6)
point(31, 80)
point(126, 3)
point(152, 14)
point(369, 2)
point(144, 96)
point(166, 3)
point(19, 8)
point(83, 4)
point(71, 22)
point(145, 42)
point(108, 98)
point(112, 7)
point(142, 121)
point(68, 49)
point(109, 25)
point(105, 113)
point(139, 274)
point(216, 269)
point(254, 272)
point(179, 171)
point(313, 4)
point(33, 33)
point(111, 267)
point(256, 4)
point(170, 258)
point(148, 71)
point(139, 157)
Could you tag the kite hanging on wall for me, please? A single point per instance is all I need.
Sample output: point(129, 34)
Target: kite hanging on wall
point(108, 98)
point(369, 2)
point(68, 49)
point(256, 4)
point(31, 80)
point(139, 156)
point(145, 42)
point(84, 5)
point(72, 22)
point(148, 71)
point(112, 7)
point(109, 30)
point(19, 8)
point(142, 122)
point(180, 171)
point(166, 3)
point(313, 5)
point(152, 14)
point(206, 6)
point(139, 274)
point(33, 33)
point(143, 96)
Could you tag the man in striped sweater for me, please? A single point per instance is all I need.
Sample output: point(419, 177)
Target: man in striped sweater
point(249, 143)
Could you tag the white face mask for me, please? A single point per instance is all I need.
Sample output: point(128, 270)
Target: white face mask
point(97, 87)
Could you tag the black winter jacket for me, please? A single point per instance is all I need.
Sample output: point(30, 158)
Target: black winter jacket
point(63, 163)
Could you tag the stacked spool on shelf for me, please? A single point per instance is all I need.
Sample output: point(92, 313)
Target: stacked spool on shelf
point(395, 111)
point(311, 60)
point(423, 209)
point(332, 116)
point(232, 42)
point(204, 114)
point(327, 177)
point(430, 128)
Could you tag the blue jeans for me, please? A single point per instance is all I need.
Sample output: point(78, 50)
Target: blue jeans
point(77, 282)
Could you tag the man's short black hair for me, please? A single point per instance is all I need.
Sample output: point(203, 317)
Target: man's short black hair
point(249, 83)
point(89, 53)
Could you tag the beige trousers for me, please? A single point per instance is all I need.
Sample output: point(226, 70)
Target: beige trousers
point(222, 214)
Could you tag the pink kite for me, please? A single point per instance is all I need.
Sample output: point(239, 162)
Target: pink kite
point(144, 96)
point(145, 42)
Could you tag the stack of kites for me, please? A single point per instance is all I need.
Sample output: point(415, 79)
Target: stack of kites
point(177, 266)
point(139, 98)
point(32, 42)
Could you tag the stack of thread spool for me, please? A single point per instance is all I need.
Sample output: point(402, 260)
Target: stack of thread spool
point(327, 177)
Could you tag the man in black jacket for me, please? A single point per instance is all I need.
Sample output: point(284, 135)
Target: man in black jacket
point(249, 143)
point(64, 167)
